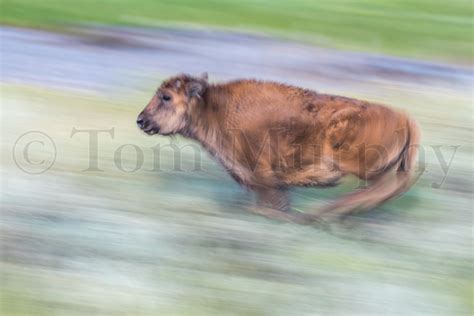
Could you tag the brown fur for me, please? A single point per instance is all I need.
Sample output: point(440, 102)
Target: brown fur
point(271, 136)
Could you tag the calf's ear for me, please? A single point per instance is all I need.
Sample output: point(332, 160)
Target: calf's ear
point(196, 88)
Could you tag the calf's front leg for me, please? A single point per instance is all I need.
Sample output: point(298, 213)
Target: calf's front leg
point(275, 203)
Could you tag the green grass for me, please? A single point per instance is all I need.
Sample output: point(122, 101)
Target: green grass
point(424, 29)
point(184, 243)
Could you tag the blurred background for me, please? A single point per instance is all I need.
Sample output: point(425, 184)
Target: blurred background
point(98, 218)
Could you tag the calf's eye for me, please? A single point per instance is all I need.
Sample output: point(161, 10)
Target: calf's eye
point(166, 97)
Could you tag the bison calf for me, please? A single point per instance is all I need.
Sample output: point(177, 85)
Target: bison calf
point(271, 136)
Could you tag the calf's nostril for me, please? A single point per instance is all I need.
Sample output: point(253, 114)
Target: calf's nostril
point(140, 122)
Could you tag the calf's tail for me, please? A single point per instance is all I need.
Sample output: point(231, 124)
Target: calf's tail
point(394, 181)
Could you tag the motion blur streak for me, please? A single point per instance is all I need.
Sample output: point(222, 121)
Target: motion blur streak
point(118, 239)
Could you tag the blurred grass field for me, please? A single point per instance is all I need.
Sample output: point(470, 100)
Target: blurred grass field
point(424, 29)
point(183, 243)
point(150, 242)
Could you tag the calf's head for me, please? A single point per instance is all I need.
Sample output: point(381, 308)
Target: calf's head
point(170, 108)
